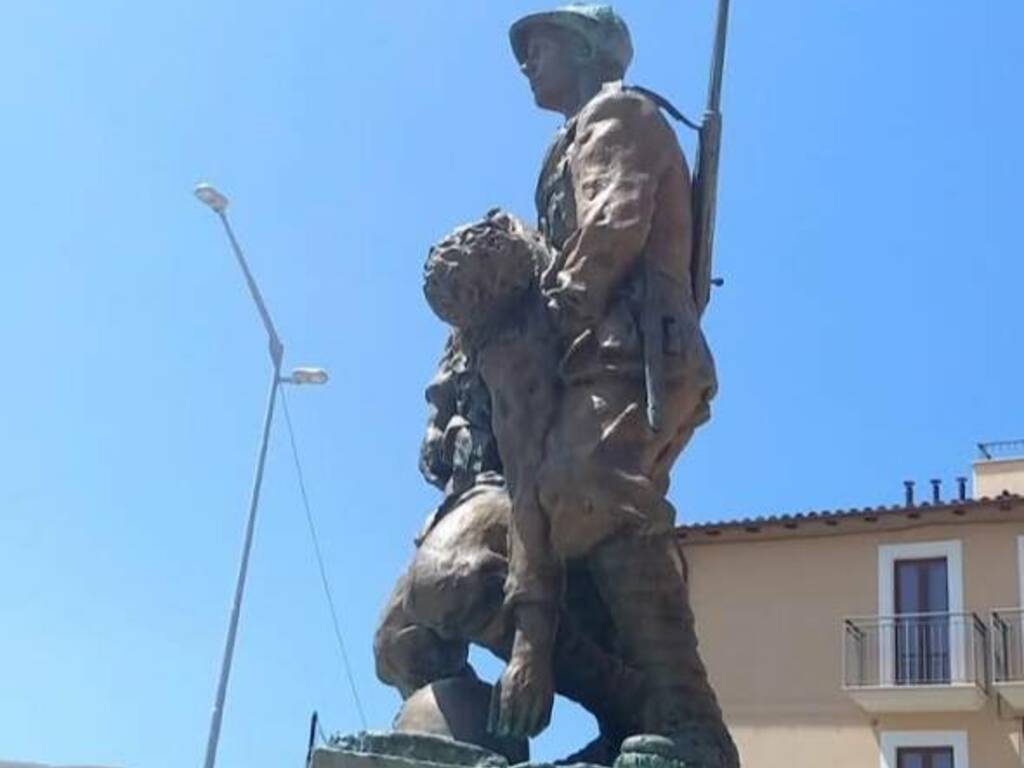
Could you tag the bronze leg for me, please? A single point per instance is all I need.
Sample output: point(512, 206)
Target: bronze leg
point(409, 655)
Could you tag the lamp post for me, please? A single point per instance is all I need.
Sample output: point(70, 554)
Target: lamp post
point(218, 203)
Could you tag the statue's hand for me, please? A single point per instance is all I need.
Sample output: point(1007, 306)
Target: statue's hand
point(522, 699)
point(564, 311)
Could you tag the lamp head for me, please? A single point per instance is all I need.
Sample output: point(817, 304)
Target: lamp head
point(308, 376)
point(210, 197)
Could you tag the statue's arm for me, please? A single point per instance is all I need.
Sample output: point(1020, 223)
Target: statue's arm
point(623, 148)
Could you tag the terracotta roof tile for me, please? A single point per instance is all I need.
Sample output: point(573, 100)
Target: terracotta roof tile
point(925, 507)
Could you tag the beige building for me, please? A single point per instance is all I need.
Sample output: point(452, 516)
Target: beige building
point(874, 637)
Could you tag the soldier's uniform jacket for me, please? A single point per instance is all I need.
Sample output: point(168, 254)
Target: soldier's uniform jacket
point(614, 199)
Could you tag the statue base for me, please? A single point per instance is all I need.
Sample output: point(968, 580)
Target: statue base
point(403, 750)
point(424, 750)
point(444, 725)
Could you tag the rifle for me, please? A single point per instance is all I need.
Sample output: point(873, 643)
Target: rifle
point(705, 187)
point(705, 192)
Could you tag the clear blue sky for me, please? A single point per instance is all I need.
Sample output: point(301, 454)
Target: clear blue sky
point(869, 330)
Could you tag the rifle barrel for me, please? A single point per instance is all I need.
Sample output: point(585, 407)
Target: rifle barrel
point(718, 57)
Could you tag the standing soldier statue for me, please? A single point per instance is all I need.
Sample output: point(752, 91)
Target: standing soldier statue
point(614, 201)
point(594, 602)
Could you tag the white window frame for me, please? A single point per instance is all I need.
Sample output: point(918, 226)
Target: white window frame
point(1020, 596)
point(888, 554)
point(1016, 610)
point(890, 741)
point(1020, 571)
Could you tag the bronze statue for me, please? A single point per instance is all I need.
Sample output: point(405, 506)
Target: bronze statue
point(575, 375)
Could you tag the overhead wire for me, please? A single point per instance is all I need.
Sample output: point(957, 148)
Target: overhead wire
point(320, 564)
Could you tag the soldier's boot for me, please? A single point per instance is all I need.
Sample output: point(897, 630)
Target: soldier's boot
point(642, 582)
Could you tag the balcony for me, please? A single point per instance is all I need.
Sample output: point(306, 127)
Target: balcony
point(1008, 656)
point(922, 662)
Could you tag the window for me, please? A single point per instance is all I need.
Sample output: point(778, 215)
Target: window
point(922, 638)
point(921, 622)
point(923, 749)
point(924, 757)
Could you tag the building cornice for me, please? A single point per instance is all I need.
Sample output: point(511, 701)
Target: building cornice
point(1008, 507)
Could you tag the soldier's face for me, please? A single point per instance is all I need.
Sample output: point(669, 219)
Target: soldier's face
point(553, 69)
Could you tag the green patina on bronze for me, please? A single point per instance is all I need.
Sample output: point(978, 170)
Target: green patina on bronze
point(602, 29)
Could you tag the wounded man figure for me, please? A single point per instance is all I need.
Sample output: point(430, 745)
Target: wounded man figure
point(482, 279)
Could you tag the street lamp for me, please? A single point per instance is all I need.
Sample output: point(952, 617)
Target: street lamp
point(218, 203)
point(301, 376)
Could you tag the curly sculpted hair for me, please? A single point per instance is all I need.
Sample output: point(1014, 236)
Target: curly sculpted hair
point(479, 271)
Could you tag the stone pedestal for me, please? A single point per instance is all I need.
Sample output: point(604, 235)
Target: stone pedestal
point(424, 750)
point(444, 725)
point(403, 750)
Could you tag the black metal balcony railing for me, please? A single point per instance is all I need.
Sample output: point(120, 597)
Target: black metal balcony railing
point(915, 650)
point(1008, 646)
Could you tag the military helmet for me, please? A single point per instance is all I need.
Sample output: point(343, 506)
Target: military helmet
point(603, 30)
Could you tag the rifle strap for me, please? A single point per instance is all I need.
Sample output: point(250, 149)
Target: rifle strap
point(665, 104)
